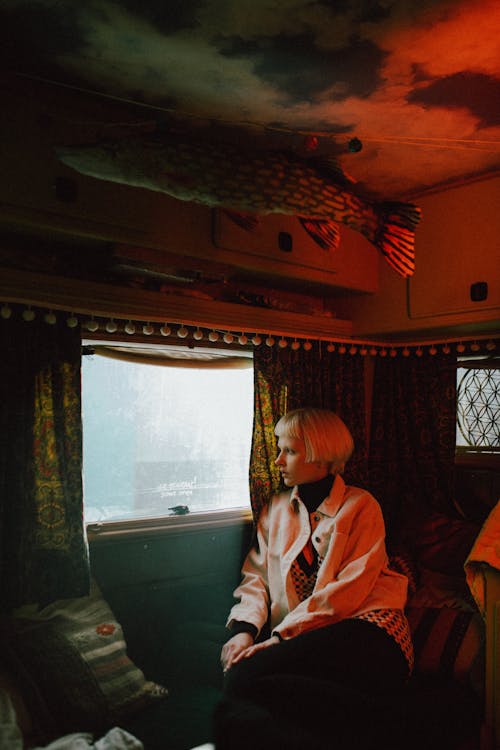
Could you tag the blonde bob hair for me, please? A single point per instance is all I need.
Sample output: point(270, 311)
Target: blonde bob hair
point(325, 436)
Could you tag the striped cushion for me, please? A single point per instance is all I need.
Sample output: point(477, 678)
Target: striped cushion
point(448, 642)
point(73, 656)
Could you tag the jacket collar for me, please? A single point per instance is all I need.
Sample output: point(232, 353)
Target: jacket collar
point(330, 505)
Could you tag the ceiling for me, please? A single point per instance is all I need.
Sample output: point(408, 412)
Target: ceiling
point(416, 81)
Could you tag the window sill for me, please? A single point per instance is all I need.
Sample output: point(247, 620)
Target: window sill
point(106, 530)
point(481, 459)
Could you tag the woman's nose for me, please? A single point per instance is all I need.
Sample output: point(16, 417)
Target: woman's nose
point(279, 459)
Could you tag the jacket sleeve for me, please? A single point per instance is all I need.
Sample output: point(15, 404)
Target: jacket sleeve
point(253, 591)
point(362, 557)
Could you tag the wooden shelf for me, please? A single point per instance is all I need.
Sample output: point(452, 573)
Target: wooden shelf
point(106, 300)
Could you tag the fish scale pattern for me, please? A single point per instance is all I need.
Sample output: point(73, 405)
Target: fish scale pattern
point(274, 182)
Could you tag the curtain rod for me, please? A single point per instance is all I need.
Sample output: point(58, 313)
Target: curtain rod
point(120, 329)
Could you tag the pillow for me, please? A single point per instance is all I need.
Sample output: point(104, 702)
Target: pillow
point(71, 665)
point(8, 688)
point(443, 544)
point(10, 733)
point(448, 642)
point(442, 590)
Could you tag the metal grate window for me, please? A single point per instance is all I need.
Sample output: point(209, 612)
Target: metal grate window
point(478, 406)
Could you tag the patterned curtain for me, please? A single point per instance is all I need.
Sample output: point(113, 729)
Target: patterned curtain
point(413, 430)
point(285, 379)
point(43, 552)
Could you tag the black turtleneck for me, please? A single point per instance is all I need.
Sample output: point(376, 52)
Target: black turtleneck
point(312, 494)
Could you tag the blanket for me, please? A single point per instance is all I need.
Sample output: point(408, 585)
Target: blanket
point(485, 551)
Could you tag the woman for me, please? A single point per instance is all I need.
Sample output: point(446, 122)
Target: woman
point(318, 578)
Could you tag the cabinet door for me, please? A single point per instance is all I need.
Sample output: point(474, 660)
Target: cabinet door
point(458, 252)
point(280, 246)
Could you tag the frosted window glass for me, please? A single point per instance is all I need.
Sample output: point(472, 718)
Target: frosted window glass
point(156, 437)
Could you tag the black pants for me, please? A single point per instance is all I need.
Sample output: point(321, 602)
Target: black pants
point(331, 687)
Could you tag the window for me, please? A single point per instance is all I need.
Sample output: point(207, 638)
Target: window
point(157, 438)
point(478, 406)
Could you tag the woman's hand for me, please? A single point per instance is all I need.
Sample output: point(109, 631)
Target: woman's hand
point(251, 650)
point(231, 650)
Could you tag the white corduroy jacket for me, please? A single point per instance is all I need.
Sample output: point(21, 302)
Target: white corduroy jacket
point(353, 578)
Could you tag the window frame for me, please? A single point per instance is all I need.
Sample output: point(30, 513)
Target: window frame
point(487, 457)
point(101, 531)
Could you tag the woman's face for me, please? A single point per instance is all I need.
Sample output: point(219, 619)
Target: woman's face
point(292, 463)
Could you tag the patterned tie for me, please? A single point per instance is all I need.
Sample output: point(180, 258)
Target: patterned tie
point(309, 552)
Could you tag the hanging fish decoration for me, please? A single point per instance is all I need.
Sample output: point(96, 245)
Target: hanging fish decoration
point(247, 185)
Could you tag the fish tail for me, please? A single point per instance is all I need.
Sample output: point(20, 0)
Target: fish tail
point(324, 232)
point(395, 236)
